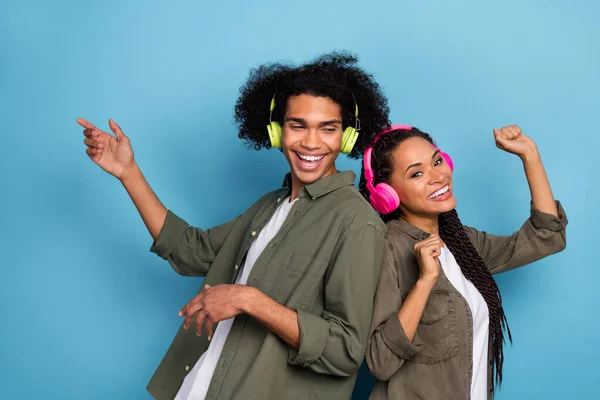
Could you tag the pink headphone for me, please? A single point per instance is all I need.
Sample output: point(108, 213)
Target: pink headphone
point(383, 197)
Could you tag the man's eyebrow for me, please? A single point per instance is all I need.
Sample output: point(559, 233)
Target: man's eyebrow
point(295, 119)
point(331, 122)
point(321, 124)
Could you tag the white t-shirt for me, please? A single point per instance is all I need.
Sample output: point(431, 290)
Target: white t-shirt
point(481, 322)
point(195, 384)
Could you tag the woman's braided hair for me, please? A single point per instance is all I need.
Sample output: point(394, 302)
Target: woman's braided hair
point(455, 236)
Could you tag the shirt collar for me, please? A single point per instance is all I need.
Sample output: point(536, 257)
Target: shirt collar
point(402, 226)
point(325, 185)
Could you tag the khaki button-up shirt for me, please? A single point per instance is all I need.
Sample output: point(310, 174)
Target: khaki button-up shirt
point(437, 364)
point(324, 263)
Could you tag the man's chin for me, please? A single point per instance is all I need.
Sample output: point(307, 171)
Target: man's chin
point(305, 177)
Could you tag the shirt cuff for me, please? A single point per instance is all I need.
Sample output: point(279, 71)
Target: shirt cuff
point(395, 338)
point(314, 331)
point(170, 235)
point(542, 220)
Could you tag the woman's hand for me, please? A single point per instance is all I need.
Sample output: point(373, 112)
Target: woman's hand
point(511, 139)
point(428, 252)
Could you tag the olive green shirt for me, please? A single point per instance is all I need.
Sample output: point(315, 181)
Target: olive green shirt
point(437, 364)
point(324, 263)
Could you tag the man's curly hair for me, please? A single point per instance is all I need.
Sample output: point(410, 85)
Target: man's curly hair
point(334, 75)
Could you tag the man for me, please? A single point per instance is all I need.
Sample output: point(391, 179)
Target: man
point(286, 306)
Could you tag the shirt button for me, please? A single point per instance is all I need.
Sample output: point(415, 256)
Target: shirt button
point(236, 267)
point(187, 367)
point(278, 200)
point(253, 233)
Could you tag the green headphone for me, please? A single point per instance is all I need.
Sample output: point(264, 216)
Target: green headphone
point(348, 139)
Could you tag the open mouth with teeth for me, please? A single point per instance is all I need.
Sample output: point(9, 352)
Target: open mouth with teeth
point(441, 194)
point(309, 162)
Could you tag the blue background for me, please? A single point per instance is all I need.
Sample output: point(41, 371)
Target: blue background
point(87, 312)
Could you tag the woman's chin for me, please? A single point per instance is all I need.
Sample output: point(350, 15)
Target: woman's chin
point(446, 205)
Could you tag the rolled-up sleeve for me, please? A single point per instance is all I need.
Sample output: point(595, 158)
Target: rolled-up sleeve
point(314, 332)
point(190, 251)
point(540, 236)
point(335, 342)
point(388, 344)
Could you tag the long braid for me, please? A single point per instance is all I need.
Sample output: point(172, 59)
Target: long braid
point(473, 268)
point(454, 235)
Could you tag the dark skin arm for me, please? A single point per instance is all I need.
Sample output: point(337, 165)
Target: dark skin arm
point(221, 302)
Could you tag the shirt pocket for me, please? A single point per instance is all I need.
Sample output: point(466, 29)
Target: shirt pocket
point(438, 330)
point(299, 280)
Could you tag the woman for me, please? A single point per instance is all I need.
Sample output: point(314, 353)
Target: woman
point(438, 323)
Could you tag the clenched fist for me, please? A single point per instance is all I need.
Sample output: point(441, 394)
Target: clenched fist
point(511, 139)
point(428, 252)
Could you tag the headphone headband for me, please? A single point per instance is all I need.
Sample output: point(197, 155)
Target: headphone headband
point(396, 127)
point(369, 174)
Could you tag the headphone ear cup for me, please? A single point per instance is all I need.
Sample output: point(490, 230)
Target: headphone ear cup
point(349, 139)
point(448, 160)
point(345, 137)
point(274, 130)
point(385, 199)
